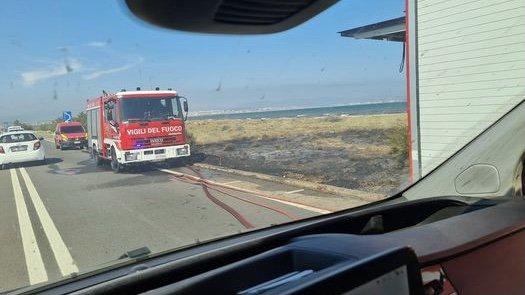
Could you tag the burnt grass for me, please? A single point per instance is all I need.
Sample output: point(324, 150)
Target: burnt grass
point(349, 164)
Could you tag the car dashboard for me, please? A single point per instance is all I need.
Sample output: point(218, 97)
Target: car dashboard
point(431, 246)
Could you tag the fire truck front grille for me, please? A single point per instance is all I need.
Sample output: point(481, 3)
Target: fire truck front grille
point(155, 142)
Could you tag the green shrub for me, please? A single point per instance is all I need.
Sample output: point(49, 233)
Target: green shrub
point(398, 141)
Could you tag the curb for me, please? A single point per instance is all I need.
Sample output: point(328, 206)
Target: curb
point(325, 188)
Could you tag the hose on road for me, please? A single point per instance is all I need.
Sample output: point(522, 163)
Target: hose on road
point(289, 215)
point(280, 211)
point(266, 196)
point(236, 214)
point(206, 187)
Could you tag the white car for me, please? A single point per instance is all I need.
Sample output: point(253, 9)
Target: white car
point(20, 146)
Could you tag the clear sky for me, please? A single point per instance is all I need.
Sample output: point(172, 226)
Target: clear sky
point(56, 54)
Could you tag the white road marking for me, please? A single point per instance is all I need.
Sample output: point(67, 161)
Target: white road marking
point(306, 207)
point(63, 257)
point(34, 263)
point(295, 191)
point(230, 182)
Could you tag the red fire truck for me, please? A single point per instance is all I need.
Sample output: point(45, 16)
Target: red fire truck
point(131, 127)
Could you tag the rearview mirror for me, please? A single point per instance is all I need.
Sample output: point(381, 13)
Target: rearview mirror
point(184, 106)
point(217, 16)
point(40, 138)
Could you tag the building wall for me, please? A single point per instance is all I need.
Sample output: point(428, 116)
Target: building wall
point(470, 70)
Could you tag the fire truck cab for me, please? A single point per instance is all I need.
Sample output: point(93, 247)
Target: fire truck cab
point(132, 127)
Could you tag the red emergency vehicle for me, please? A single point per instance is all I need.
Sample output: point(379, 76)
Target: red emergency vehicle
point(70, 135)
point(130, 127)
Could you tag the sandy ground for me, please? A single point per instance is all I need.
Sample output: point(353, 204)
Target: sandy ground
point(354, 153)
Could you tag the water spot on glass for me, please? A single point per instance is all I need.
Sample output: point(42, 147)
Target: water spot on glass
point(219, 86)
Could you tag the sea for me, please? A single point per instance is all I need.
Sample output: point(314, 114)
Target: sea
point(345, 110)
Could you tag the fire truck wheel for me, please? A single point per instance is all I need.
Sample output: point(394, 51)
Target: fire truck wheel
point(115, 165)
point(95, 156)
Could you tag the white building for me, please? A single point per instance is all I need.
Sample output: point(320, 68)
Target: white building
point(465, 68)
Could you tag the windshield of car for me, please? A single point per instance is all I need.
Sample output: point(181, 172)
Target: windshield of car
point(72, 129)
point(195, 137)
point(17, 137)
point(149, 108)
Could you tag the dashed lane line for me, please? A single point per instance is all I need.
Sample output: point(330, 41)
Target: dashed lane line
point(36, 270)
point(295, 191)
point(63, 258)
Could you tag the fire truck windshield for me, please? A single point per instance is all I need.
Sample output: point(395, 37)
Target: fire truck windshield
point(150, 109)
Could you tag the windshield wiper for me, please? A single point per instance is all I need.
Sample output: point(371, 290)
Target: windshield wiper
point(167, 116)
point(164, 117)
point(137, 253)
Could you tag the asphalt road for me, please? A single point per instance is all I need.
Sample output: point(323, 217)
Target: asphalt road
point(70, 216)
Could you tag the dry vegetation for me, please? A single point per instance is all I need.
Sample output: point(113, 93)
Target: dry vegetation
point(367, 153)
point(358, 152)
point(219, 131)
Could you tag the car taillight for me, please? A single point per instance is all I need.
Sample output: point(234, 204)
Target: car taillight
point(2, 150)
point(37, 145)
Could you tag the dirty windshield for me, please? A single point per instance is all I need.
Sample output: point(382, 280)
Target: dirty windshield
point(194, 137)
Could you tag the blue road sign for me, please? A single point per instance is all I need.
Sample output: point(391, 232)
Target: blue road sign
point(67, 116)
